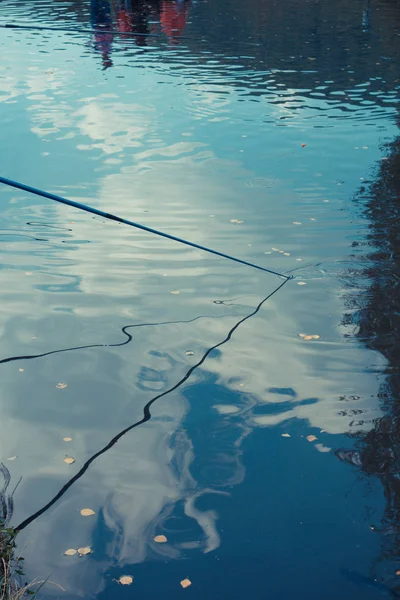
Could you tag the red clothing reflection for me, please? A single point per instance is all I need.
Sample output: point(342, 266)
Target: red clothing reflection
point(173, 16)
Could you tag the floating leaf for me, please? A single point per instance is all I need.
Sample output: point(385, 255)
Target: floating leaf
point(61, 386)
point(186, 583)
point(176, 292)
point(307, 337)
point(28, 273)
point(69, 460)
point(160, 539)
point(304, 145)
point(189, 353)
point(125, 580)
point(70, 552)
point(315, 337)
point(299, 259)
point(397, 572)
point(311, 438)
point(285, 434)
point(12, 458)
point(296, 223)
point(275, 249)
point(236, 221)
point(286, 253)
point(84, 551)
point(87, 512)
point(21, 370)
point(67, 439)
point(301, 283)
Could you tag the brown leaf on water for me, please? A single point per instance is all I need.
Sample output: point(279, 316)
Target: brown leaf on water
point(70, 552)
point(69, 460)
point(87, 512)
point(160, 539)
point(125, 580)
point(311, 438)
point(61, 386)
point(186, 583)
point(84, 551)
point(67, 439)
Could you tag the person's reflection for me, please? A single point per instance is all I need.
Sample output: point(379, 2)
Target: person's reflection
point(101, 19)
point(173, 17)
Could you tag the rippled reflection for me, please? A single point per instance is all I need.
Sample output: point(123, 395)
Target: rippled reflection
point(254, 128)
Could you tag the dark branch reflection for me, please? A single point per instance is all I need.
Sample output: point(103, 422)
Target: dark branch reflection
point(376, 314)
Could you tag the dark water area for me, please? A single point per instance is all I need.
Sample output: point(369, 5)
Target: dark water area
point(255, 428)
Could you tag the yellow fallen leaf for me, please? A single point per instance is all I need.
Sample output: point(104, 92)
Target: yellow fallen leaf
point(69, 460)
point(84, 551)
point(125, 580)
point(70, 552)
point(61, 386)
point(307, 337)
point(160, 539)
point(186, 583)
point(175, 292)
point(67, 439)
point(87, 512)
point(315, 337)
point(311, 438)
point(302, 335)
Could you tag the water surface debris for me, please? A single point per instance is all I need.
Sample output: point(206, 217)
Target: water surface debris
point(186, 583)
point(125, 580)
point(84, 551)
point(311, 438)
point(175, 292)
point(160, 539)
point(69, 460)
point(236, 221)
point(70, 552)
point(61, 386)
point(285, 434)
point(87, 512)
point(67, 439)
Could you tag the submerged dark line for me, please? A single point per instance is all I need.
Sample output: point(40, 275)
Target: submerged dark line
point(123, 329)
point(146, 413)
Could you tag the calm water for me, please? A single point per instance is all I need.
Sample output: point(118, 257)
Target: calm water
point(268, 130)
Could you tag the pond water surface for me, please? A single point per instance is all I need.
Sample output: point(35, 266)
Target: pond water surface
point(266, 130)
